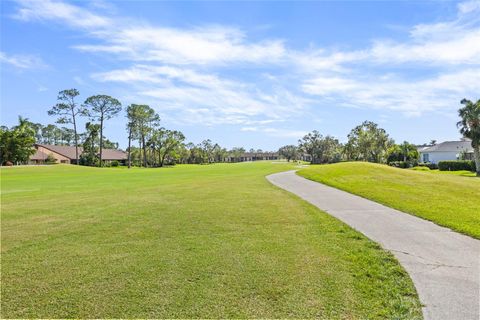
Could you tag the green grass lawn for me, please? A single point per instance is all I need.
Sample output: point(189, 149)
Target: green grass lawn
point(184, 242)
point(448, 199)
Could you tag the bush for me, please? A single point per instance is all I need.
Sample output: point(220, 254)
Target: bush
point(402, 164)
point(456, 165)
point(50, 159)
point(431, 166)
point(423, 168)
point(114, 163)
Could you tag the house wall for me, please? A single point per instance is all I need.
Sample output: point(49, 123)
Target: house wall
point(435, 157)
point(59, 157)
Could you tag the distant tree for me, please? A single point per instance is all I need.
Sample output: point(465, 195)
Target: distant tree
point(142, 120)
point(67, 110)
point(289, 152)
point(101, 108)
point(48, 134)
point(89, 155)
point(167, 144)
point(219, 153)
point(321, 149)
point(433, 142)
point(402, 152)
point(16, 144)
point(236, 153)
point(368, 142)
point(469, 126)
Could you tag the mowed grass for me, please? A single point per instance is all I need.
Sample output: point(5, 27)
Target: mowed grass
point(450, 200)
point(185, 242)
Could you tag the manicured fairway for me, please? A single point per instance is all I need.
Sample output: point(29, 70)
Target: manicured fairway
point(190, 241)
point(447, 199)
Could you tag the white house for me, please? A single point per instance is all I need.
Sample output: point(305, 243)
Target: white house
point(448, 150)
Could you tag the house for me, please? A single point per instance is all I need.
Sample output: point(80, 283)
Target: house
point(448, 150)
point(66, 154)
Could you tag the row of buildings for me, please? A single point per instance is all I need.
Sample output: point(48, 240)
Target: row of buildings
point(66, 155)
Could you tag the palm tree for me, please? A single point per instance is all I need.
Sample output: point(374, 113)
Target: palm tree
point(469, 126)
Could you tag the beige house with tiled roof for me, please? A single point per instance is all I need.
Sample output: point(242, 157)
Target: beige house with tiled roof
point(66, 154)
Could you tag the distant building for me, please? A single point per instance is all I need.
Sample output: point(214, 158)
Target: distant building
point(66, 154)
point(253, 156)
point(448, 150)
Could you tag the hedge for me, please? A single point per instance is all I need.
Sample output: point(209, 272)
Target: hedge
point(456, 165)
point(431, 166)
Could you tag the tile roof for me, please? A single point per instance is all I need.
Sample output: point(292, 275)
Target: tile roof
point(69, 152)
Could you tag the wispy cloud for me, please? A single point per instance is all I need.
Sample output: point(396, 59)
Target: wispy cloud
point(22, 61)
point(194, 71)
point(60, 12)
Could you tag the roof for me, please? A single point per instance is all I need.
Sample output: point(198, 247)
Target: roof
point(69, 152)
point(449, 146)
point(39, 155)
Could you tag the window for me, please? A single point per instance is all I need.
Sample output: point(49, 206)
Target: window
point(425, 157)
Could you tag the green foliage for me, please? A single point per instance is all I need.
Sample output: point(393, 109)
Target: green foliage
point(470, 127)
point(321, 149)
point(67, 111)
point(400, 164)
point(89, 155)
point(368, 142)
point(445, 198)
point(289, 152)
point(114, 163)
point(16, 144)
point(431, 166)
point(405, 152)
point(456, 165)
point(213, 241)
point(50, 159)
point(101, 108)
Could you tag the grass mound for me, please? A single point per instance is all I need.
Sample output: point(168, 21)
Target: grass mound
point(450, 200)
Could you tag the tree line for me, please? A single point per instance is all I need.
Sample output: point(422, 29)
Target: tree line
point(365, 142)
point(149, 143)
point(369, 142)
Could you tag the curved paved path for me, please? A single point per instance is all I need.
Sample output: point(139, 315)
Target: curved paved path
point(444, 265)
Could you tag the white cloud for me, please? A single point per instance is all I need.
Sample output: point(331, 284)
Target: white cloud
point(60, 12)
point(440, 93)
point(207, 98)
point(22, 61)
point(198, 73)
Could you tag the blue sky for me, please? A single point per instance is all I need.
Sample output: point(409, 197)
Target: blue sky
point(252, 74)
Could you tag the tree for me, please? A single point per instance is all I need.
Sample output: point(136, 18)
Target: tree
point(469, 126)
point(16, 144)
point(89, 155)
point(142, 120)
point(406, 152)
point(236, 153)
point(101, 108)
point(67, 109)
point(321, 149)
point(167, 142)
point(368, 142)
point(289, 152)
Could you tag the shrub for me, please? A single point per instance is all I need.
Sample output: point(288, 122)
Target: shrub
point(114, 163)
point(403, 164)
point(429, 165)
point(456, 165)
point(50, 159)
point(422, 168)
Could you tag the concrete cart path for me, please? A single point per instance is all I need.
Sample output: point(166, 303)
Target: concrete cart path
point(444, 265)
